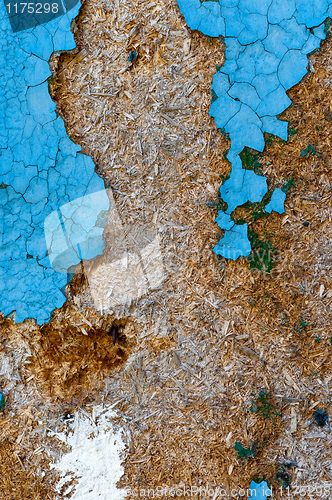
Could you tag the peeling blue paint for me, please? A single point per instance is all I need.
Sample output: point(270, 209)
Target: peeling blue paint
point(277, 202)
point(224, 221)
point(235, 243)
point(267, 43)
point(43, 176)
point(242, 186)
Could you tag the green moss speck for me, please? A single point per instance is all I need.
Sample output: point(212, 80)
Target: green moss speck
point(264, 407)
point(244, 453)
point(288, 185)
point(292, 131)
point(214, 96)
point(262, 253)
point(309, 150)
point(302, 324)
point(270, 139)
point(327, 26)
point(250, 161)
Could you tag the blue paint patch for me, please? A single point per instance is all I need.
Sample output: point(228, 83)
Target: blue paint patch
point(275, 127)
point(259, 491)
point(277, 202)
point(242, 186)
point(235, 243)
point(267, 43)
point(224, 221)
point(50, 196)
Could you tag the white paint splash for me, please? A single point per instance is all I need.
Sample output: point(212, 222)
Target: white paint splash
point(95, 457)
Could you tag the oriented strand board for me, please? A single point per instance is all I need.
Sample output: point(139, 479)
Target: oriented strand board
point(213, 332)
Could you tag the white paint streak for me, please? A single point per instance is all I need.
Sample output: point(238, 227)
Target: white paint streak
point(95, 457)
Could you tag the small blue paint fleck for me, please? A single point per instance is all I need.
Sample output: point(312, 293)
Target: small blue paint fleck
point(132, 56)
point(320, 417)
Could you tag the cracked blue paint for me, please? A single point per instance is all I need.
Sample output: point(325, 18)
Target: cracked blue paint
point(51, 199)
point(267, 44)
point(242, 186)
